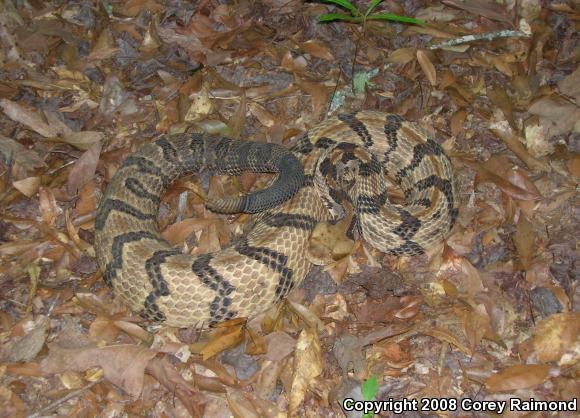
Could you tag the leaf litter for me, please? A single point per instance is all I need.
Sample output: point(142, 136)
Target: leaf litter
point(491, 313)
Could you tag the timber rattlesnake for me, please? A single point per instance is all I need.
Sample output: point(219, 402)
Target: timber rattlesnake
point(341, 160)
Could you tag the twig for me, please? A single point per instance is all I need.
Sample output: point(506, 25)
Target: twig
point(53, 405)
point(481, 36)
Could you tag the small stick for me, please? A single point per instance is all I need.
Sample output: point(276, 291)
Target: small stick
point(481, 36)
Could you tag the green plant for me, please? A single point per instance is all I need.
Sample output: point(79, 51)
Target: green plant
point(356, 16)
point(370, 388)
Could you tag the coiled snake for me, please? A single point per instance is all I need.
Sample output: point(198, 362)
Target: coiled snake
point(343, 159)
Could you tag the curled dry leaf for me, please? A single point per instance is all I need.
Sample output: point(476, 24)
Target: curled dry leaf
point(519, 376)
point(307, 366)
point(268, 378)
point(556, 338)
point(515, 192)
point(239, 405)
point(48, 207)
point(427, 67)
point(222, 339)
point(166, 374)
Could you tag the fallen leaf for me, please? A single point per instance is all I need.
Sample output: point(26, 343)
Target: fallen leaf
point(519, 376)
point(307, 366)
point(222, 339)
point(402, 55)
point(553, 338)
point(427, 66)
point(28, 186)
point(123, 365)
point(29, 117)
point(524, 240)
point(317, 49)
point(84, 168)
point(280, 345)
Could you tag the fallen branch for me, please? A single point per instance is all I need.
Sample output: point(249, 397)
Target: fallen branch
point(481, 37)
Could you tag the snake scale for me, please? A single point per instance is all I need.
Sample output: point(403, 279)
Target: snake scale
point(342, 161)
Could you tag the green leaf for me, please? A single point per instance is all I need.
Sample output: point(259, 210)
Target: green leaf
point(372, 6)
point(370, 388)
point(331, 17)
point(345, 4)
point(395, 18)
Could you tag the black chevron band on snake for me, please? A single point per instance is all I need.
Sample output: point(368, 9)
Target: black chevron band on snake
point(293, 220)
point(340, 160)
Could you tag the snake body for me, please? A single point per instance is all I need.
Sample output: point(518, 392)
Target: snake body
point(340, 162)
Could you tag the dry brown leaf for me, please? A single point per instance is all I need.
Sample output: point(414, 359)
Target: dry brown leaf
point(319, 93)
point(305, 314)
point(166, 374)
point(87, 201)
point(27, 347)
point(516, 146)
point(268, 378)
point(557, 116)
point(30, 118)
point(515, 192)
point(329, 243)
point(447, 336)
point(28, 186)
point(570, 85)
point(574, 165)
point(280, 345)
point(458, 122)
point(239, 405)
point(23, 158)
point(84, 168)
point(524, 240)
point(104, 48)
point(427, 66)
point(123, 365)
point(222, 339)
point(402, 55)
point(499, 97)
point(307, 366)
point(553, 338)
point(519, 376)
point(265, 117)
point(486, 9)
point(48, 207)
point(81, 140)
point(103, 329)
point(177, 232)
point(317, 49)
point(476, 324)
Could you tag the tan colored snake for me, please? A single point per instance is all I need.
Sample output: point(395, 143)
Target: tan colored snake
point(343, 159)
